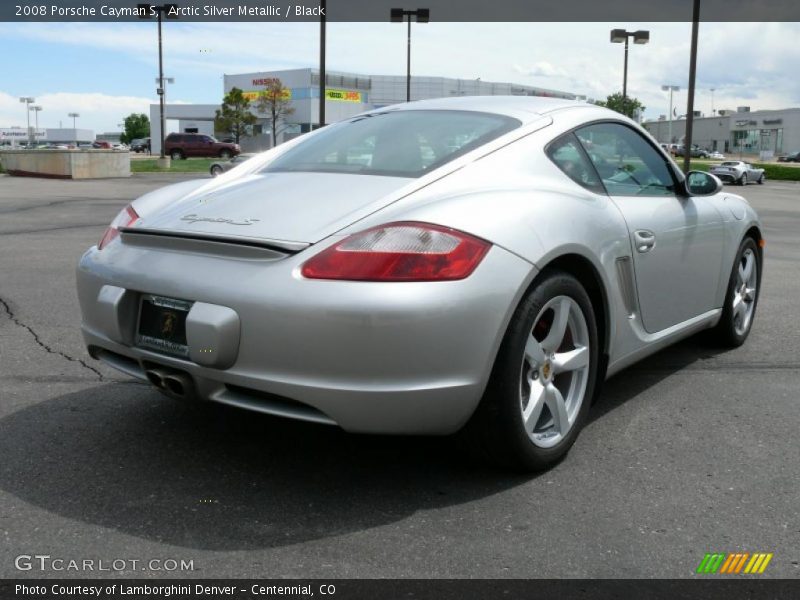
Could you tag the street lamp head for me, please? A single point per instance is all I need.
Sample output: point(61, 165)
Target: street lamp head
point(641, 37)
point(618, 36)
point(423, 15)
point(27, 99)
point(73, 115)
point(670, 88)
point(35, 108)
point(396, 15)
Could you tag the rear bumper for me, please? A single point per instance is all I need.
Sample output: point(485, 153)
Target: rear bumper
point(410, 358)
point(727, 177)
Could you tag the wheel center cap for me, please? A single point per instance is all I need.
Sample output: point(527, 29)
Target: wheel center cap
point(547, 370)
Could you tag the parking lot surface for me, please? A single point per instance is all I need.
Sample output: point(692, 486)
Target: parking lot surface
point(692, 451)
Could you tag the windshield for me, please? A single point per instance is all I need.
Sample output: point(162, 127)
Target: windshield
point(406, 143)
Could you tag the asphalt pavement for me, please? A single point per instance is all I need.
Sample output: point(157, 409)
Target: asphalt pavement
point(691, 451)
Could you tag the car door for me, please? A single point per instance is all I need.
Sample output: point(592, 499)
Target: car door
point(676, 241)
point(205, 147)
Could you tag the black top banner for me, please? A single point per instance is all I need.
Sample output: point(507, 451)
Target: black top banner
point(379, 10)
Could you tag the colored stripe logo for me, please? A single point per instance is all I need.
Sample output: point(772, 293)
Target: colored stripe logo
point(734, 563)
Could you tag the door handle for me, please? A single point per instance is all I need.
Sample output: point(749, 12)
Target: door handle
point(644, 240)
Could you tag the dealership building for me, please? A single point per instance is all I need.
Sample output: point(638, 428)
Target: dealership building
point(763, 133)
point(346, 95)
point(14, 136)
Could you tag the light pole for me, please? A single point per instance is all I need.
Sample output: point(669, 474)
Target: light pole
point(322, 74)
point(398, 15)
point(617, 37)
point(27, 100)
point(35, 108)
point(670, 89)
point(687, 138)
point(162, 82)
point(74, 127)
point(168, 11)
point(713, 112)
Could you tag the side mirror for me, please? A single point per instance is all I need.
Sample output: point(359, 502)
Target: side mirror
point(700, 183)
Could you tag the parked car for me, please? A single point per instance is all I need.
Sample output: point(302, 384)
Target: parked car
point(717, 155)
point(140, 145)
point(220, 167)
point(696, 152)
point(400, 297)
point(101, 145)
point(184, 145)
point(792, 157)
point(739, 172)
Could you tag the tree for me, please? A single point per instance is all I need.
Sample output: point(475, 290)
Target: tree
point(234, 116)
point(137, 126)
point(627, 106)
point(275, 102)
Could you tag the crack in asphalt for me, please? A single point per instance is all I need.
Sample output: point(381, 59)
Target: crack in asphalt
point(14, 319)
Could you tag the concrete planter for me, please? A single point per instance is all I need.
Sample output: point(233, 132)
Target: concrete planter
point(67, 164)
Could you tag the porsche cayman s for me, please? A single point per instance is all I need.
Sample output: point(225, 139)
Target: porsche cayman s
point(476, 264)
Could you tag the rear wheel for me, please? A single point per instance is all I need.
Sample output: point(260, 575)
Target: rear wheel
point(225, 154)
point(761, 179)
point(741, 298)
point(543, 380)
point(743, 179)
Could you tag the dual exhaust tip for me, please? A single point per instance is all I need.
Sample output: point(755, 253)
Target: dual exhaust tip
point(174, 384)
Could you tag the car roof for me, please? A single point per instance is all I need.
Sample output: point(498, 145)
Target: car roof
point(524, 108)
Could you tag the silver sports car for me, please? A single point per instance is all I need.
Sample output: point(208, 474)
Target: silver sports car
point(739, 172)
point(476, 264)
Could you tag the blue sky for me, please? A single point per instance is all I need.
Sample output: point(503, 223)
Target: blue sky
point(104, 71)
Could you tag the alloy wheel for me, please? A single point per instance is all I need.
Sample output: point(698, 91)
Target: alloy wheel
point(555, 371)
point(744, 293)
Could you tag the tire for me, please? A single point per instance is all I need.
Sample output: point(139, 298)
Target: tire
point(743, 179)
point(176, 155)
point(216, 170)
point(519, 378)
point(225, 154)
point(761, 179)
point(739, 309)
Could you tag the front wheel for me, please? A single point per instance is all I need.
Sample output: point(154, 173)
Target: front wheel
point(761, 179)
point(216, 170)
point(741, 298)
point(543, 379)
point(176, 155)
point(225, 154)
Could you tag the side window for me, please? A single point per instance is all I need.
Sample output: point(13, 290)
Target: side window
point(627, 164)
point(568, 156)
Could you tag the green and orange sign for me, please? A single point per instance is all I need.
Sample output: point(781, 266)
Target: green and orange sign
point(734, 563)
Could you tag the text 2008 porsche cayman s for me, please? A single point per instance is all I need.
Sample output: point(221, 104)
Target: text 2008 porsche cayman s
point(479, 263)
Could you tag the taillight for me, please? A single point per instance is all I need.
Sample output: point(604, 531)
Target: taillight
point(126, 217)
point(405, 251)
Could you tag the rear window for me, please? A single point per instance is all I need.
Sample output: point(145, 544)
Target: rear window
point(406, 143)
point(730, 164)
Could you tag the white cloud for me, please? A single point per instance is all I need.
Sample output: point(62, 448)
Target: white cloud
point(98, 111)
point(747, 63)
